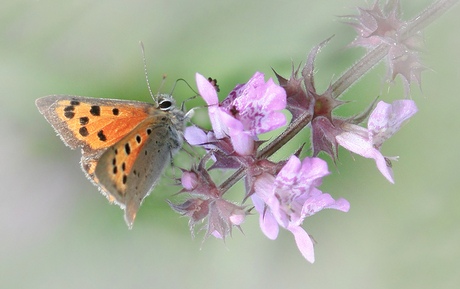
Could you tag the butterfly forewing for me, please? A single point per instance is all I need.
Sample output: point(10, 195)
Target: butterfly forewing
point(91, 123)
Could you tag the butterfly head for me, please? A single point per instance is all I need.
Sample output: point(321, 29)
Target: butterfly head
point(166, 102)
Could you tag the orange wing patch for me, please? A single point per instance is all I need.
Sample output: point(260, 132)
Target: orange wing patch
point(96, 125)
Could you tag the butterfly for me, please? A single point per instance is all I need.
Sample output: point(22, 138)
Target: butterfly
point(126, 145)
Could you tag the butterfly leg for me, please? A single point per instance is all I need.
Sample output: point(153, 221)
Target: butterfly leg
point(173, 168)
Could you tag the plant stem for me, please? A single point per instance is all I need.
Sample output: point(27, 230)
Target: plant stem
point(359, 69)
point(427, 17)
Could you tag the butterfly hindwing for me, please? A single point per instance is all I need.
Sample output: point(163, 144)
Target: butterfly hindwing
point(131, 168)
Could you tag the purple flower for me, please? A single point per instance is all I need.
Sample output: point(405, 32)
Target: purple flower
point(249, 109)
point(287, 199)
point(384, 121)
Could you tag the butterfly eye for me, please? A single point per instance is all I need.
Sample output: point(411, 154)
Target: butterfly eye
point(165, 104)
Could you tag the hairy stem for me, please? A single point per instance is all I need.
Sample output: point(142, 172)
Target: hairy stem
point(427, 17)
point(359, 69)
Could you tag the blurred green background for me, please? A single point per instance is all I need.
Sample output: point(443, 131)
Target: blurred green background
point(57, 231)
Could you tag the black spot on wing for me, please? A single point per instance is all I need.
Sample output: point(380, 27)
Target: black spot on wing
point(69, 114)
point(84, 120)
point(95, 110)
point(101, 136)
point(68, 111)
point(83, 131)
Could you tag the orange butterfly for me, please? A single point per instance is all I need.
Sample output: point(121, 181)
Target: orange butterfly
point(126, 145)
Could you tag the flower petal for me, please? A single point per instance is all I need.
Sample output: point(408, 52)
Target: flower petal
point(268, 225)
point(189, 180)
point(314, 169)
point(242, 141)
point(288, 174)
point(209, 94)
point(387, 119)
point(323, 201)
point(315, 204)
point(274, 95)
point(383, 166)
point(263, 187)
point(303, 242)
point(206, 90)
point(340, 204)
point(195, 136)
point(269, 122)
point(267, 221)
point(219, 128)
point(361, 145)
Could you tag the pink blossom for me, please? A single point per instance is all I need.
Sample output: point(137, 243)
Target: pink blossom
point(287, 199)
point(384, 121)
point(250, 109)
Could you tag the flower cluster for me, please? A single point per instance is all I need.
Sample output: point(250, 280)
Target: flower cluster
point(284, 193)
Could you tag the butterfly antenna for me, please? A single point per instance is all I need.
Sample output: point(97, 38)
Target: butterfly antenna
point(145, 70)
point(181, 79)
point(161, 85)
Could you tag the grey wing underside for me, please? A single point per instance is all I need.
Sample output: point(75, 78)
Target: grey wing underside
point(149, 166)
